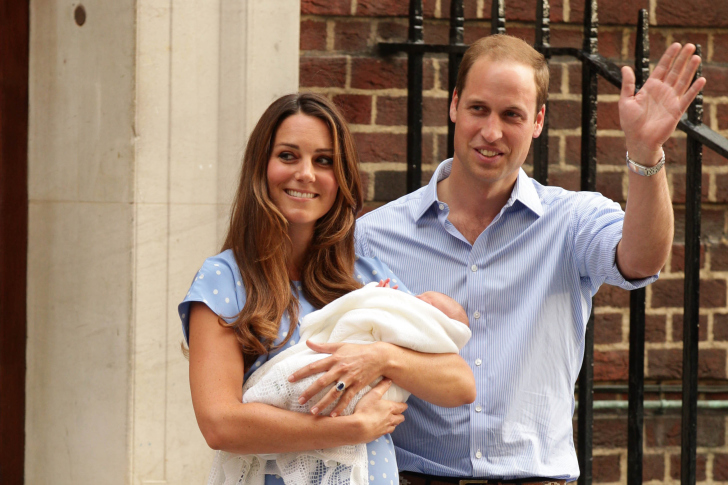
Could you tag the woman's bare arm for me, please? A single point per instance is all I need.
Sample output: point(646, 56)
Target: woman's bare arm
point(216, 381)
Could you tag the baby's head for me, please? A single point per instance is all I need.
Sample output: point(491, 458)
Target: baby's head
point(446, 305)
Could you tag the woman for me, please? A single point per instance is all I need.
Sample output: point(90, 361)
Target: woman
point(290, 250)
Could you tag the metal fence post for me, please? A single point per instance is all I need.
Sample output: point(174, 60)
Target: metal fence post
point(414, 99)
point(541, 144)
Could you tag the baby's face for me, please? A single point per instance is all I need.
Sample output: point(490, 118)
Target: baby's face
point(445, 304)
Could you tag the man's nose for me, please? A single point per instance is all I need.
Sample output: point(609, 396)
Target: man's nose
point(305, 172)
point(491, 130)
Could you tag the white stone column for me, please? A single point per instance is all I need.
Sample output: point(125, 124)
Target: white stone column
point(138, 120)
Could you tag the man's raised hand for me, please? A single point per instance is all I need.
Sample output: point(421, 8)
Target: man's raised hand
point(649, 117)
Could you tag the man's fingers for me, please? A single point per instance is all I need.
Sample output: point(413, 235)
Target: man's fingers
point(678, 67)
point(688, 97)
point(687, 75)
point(663, 66)
point(399, 407)
point(628, 82)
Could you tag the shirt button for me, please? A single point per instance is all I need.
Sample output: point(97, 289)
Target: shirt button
point(441, 206)
point(478, 408)
point(473, 268)
point(478, 455)
point(478, 361)
point(476, 315)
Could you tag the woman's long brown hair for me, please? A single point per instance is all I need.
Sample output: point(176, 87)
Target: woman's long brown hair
point(258, 232)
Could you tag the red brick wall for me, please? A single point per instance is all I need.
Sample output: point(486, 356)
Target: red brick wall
point(339, 59)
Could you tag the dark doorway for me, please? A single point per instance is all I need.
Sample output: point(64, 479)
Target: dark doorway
point(14, 60)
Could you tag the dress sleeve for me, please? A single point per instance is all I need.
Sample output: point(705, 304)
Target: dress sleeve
point(218, 285)
point(367, 270)
point(597, 226)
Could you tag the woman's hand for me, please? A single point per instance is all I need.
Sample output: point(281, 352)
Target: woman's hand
point(378, 416)
point(355, 365)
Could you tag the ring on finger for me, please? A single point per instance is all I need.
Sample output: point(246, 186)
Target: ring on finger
point(340, 386)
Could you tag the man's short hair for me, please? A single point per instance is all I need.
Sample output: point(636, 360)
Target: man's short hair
point(502, 47)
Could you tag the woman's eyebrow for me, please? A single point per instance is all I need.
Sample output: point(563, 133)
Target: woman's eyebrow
point(326, 150)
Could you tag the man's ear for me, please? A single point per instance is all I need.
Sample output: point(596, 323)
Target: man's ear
point(454, 106)
point(540, 117)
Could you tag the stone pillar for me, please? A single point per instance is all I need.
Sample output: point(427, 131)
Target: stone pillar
point(139, 112)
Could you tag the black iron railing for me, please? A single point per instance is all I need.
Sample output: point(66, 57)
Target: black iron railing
point(698, 135)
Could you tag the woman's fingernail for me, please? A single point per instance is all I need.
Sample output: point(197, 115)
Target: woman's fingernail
point(301, 400)
point(333, 415)
point(290, 378)
point(314, 410)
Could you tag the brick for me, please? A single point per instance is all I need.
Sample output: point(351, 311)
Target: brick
point(696, 13)
point(392, 31)
point(574, 78)
point(711, 430)
point(658, 43)
point(313, 35)
point(653, 467)
point(655, 328)
point(693, 38)
point(357, 109)
point(391, 111)
point(679, 185)
point(572, 152)
point(674, 151)
point(712, 225)
point(609, 184)
point(612, 296)
point(435, 111)
point(475, 32)
point(610, 433)
point(427, 141)
point(677, 328)
point(720, 48)
point(554, 155)
point(717, 77)
point(382, 8)
point(325, 7)
point(710, 158)
point(566, 180)
point(669, 293)
point(662, 431)
point(436, 33)
point(322, 71)
point(526, 34)
point(720, 327)
point(610, 150)
point(556, 72)
point(608, 328)
point(428, 9)
point(677, 261)
point(608, 116)
point(722, 116)
point(375, 73)
point(428, 73)
point(667, 364)
point(720, 467)
point(605, 468)
point(381, 147)
point(441, 153)
point(564, 114)
point(352, 36)
point(605, 87)
point(610, 12)
point(610, 43)
point(566, 36)
point(700, 462)
point(390, 185)
point(611, 366)
point(719, 257)
point(364, 183)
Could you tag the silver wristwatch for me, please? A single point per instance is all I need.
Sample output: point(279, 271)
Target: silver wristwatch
point(642, 170)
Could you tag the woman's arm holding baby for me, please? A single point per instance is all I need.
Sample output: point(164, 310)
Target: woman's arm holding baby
point(441, 379)
point(216, 379)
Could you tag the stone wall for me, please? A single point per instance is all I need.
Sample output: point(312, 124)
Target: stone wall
point(339, 59)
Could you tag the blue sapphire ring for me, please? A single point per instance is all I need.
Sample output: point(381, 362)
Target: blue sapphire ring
point(340, 386)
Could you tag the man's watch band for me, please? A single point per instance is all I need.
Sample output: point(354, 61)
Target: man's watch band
point(642, 170)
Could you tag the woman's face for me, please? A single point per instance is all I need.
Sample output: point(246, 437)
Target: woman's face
point(301, 181)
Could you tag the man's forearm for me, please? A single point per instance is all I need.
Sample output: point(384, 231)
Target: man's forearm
point(648, 222)
point(441, 379)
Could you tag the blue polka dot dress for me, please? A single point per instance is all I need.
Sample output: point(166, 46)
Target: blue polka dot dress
point(218, 285)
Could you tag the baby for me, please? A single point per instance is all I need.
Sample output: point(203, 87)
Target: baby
point(431, 322)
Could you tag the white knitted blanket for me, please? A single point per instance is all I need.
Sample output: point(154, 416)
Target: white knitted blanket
point(370, 314)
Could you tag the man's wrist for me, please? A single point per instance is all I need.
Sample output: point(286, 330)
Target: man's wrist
point(648, 157)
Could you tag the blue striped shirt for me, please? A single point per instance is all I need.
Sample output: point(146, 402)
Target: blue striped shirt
point(526, 285)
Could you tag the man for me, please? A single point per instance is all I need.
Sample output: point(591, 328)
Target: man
point(524, 260)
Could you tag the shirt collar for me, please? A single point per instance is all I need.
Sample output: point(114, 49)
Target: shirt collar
point(523, 191)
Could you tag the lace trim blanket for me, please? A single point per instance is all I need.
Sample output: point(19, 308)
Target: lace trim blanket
point(370, 314)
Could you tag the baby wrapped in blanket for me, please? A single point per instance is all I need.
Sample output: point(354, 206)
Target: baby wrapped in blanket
point(429, 323)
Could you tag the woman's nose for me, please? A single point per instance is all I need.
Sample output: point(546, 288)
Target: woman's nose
point(305, 171)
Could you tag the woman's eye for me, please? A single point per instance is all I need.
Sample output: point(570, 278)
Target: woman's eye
point(286, 156)
point(326, 161)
